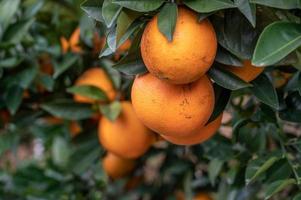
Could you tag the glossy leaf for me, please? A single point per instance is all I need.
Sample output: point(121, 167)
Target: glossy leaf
point(131, 64)
point(8, 8)
point(260, 165)
point(64, 65)
point(283, 4)
point(225, 57)
point(140, 5)
point(275, 42)
point(214, 168)
point(68, 110)
point(205, 6)
point(111, 111)
point(236, 34)
point(15, 33)
point(13, 98)
point(247, 9)
point(264, 90)
point(88, 91)
point(93, 9)
point(110, 12)
point(167, 20)
point(278, 186)
point(222, 97)
point(226, 79)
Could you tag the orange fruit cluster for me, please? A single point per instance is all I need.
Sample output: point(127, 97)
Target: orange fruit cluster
point(176, 99)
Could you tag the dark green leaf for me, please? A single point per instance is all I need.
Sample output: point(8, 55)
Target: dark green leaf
point(236, 128)
point(297, 197)
point(111, 111)
point(10, 62)
point(167, 20)
point(13, 98)
point(110, 12)
point(226, 79)
point(131, 64)
point(8, 8)
point(16, 32)
point(222, 97)
point(140, 5)
point(113, 74)
point(277, 186)
point(124, 21)
point(34, 8)
point(214, 168)
point(46, 81)
point(283, 4)
point(264, 90)
point(26, 76)
point(60, 152)
point(275, 42)
point(64, 65)
point(89, 91)
point(235, 34)
point(260, 165)
point(247, 9)
point(93, 9)
point(225, 57)
point(136, 25)
point(205, 6)
point(69, 110)
point(292, 111)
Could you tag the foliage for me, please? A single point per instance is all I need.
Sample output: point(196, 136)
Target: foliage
point(260, 159)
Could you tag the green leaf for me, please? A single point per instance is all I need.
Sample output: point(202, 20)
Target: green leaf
point(292, 110)
point(235, 34)
point(131, 64)
point(111, 111)
point(205, 6)
point(34, 8)
point(47, 81)
point(124, 20)
point(260, 165)
point(214, 168)
point(93, 9)
point(113, 74)
point(136, 25)
point(277, 186)
point(68, 110)
point(225, 57)
point(16, 32)
point(140, 5)
point(222, 97)
point(280, 170)
point(89, 91)
point(297, 197)
point(226, 79)
point(275, 42)
point(13, 98)
point(167, 20)
point(65, 64)
point(60, 152)
point(10, 62)
point(8, 8)
point(282, 4)
point(247, 9)
point(236, 128)
point(110, 12)
point(26, 76)
point(264, 90)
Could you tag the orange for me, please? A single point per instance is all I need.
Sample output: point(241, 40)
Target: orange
point(117, 167)
point(95, 77)
point(73, 43)
point(203, 134)
point(202, 196)
point(247, 72)
point(74, 127)
point(188, 56)
point(126, 137)
point(174, 110)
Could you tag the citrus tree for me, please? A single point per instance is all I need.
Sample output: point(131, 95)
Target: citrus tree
point(150, 99)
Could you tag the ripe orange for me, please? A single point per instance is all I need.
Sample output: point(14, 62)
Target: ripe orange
point(126, 137)
point(202, 196)
point(95, 77)
point(203, 134)
point(173, 110)
point(117, 167)
point(188, 56)
point(247, 72)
